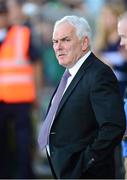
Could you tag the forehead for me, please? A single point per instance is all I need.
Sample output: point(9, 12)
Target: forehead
point(122, 25)
point(122, 29)
point(64, 29)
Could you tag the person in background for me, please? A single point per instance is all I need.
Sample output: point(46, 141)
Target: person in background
point(19, 62)
point(107, 47)
point(106, 44)
point(86, 122)
point(17, 16)
point(122, 32)
point(122, 29)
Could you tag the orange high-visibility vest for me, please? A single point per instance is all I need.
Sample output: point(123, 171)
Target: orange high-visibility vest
point(16, 72)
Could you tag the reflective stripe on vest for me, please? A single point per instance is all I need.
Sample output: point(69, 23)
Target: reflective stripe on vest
point(15, 79)
point(16, 72)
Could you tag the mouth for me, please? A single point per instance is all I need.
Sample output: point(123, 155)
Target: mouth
point(61, 55)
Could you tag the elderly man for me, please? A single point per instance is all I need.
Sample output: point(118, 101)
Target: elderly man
point(85, 119)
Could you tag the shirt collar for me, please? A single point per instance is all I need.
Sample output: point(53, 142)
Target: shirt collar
point(79, 63)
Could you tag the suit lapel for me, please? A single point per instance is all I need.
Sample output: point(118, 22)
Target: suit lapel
point(75, 81)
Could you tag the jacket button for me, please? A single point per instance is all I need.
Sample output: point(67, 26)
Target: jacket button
point(52, 133)
point(52, 153)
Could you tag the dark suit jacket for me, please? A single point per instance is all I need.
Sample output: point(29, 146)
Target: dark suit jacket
point(89, 123)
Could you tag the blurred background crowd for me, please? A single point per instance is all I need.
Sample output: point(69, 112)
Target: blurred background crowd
point(39, 17)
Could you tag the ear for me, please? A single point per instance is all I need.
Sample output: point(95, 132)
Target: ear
point(85, 43)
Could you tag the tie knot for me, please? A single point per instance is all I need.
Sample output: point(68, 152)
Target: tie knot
point(66, 74)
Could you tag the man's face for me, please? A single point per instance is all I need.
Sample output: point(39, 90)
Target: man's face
point(122, 32)
point(67, 46)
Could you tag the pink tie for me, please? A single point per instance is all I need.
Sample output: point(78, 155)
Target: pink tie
point(45, 129)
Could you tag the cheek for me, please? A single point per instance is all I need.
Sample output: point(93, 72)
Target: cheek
point(73, 55)
point(69, 51)
point(73, 51)
point(124, 41)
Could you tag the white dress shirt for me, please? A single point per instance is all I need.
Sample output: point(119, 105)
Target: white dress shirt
point(75, 69)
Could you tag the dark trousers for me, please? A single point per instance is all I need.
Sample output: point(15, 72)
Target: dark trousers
point(15, 141)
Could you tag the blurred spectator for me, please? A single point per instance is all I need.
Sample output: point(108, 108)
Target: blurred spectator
point(124, 142)
point(107, 46)
point(20, 73)
point(107, 42)
point(122, 32)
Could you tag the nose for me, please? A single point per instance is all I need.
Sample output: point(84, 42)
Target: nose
point(121, 42)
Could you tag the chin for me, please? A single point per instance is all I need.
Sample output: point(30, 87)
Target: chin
point(61, 62)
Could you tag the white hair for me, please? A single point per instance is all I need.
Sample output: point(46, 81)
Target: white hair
point(81, 25)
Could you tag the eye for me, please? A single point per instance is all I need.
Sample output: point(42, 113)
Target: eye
point(67, 39)
point(54, 42)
